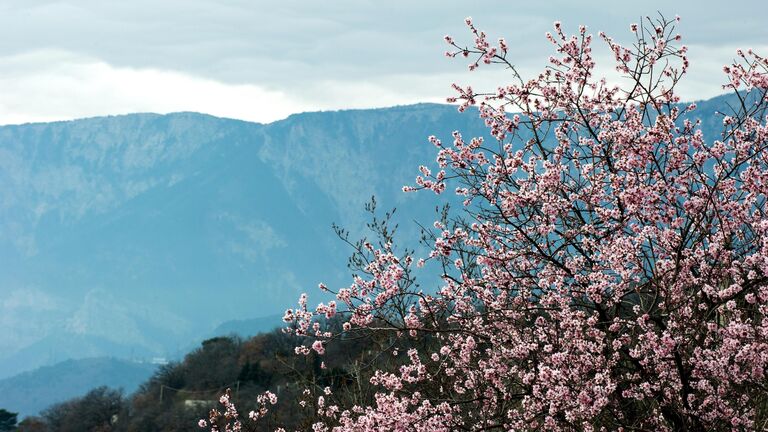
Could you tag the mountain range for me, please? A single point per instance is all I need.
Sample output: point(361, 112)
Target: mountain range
point(137, 236)
point(134, 235)
point(28, 393)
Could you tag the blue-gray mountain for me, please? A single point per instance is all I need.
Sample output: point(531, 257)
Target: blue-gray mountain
point(246, 328)
point(31, 392)
point(134, 235)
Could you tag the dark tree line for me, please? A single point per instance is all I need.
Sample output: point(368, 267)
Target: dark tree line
point(181, 393)
point(7, 420)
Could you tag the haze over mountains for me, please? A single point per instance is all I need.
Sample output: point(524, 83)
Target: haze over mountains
point(136, 236)
point(30, 392)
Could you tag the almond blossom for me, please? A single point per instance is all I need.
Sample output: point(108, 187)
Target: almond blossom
point(609, 267)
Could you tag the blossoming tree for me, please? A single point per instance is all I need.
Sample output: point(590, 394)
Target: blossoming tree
point(609, 269)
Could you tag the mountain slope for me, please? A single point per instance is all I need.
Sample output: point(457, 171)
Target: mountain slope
point(140, 233)
point(147, 231)
point(31, 392)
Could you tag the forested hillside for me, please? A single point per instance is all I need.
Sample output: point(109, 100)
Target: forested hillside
point(181, 393)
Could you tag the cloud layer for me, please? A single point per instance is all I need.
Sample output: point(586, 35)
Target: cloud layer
point(262, 60)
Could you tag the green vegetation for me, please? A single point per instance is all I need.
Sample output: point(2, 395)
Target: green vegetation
point(7, 420)
point(181, 393)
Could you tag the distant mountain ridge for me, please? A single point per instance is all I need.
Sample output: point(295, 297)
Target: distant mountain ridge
point(30, 392)
point(140, 233)
point(248, 327)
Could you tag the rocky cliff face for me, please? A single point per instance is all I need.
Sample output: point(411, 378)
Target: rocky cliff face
point(144, 231)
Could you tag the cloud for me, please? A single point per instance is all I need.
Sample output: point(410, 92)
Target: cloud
point(264, 59)
point(53, 85)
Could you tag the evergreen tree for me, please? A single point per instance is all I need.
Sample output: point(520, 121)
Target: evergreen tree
point(7, 420)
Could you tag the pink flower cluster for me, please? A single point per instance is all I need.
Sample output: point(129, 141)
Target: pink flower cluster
point(229, 420)
point(610, 269)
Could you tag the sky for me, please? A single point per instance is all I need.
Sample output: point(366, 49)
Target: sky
point(264, 60)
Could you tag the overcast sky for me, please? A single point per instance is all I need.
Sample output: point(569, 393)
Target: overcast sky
point(263, 60)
